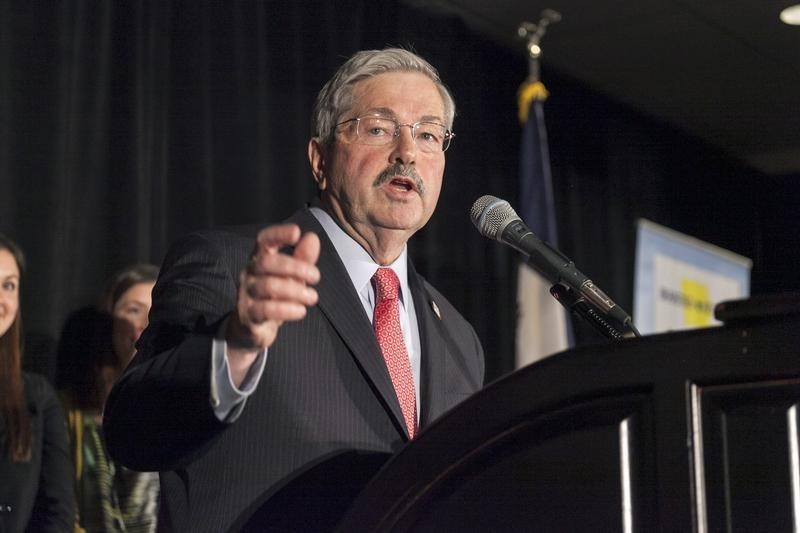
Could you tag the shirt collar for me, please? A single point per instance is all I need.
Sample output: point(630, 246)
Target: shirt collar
point(359, 264)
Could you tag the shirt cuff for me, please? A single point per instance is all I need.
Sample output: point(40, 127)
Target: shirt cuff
point(227, 400)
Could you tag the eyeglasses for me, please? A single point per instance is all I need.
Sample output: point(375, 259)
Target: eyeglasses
point(430, 137)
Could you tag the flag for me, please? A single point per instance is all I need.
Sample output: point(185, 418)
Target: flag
point(542, 323)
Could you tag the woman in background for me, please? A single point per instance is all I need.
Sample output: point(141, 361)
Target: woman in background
point(35, 468)
point(96, 346)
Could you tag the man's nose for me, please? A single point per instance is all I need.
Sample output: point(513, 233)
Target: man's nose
point(405, 149)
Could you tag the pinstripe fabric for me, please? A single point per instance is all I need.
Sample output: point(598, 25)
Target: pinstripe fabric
point(325, 390)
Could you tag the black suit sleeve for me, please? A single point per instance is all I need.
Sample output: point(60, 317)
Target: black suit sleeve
point(159, 415)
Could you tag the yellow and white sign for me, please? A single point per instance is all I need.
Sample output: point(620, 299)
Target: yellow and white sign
point(679, 280)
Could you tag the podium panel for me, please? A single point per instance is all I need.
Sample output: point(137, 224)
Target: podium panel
point(747, 448)
point(691, 431)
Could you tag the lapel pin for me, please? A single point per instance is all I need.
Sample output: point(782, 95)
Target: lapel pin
point(436, 310)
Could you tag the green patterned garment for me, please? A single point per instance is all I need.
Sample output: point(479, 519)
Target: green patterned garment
point(110, 497)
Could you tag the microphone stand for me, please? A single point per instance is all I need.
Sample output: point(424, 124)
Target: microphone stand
point(577, 305)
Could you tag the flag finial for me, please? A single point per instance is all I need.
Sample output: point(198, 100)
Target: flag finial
point(533, 33)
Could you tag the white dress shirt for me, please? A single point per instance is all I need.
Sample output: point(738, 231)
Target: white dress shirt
point(228, 400)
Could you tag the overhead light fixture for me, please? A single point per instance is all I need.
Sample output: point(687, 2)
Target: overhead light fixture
point(791, 15)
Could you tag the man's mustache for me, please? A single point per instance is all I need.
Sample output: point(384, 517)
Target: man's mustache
point(399, 169)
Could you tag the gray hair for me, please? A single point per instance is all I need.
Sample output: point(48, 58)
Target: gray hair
point(336, 97)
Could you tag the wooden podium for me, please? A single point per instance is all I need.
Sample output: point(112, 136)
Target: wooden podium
point(691, 431)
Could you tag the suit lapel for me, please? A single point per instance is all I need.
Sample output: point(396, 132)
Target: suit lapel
point(341, 305)
point(433, 348)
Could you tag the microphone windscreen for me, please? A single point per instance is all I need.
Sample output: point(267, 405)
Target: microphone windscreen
point(490, 214)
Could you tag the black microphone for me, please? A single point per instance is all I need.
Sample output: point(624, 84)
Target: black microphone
point(497, 220)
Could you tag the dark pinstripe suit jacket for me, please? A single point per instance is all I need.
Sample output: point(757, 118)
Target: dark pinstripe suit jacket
point(325, 389)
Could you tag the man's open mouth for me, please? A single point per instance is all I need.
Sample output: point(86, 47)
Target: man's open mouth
point(403, 183)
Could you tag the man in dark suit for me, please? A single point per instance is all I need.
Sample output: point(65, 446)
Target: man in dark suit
point(264, 364)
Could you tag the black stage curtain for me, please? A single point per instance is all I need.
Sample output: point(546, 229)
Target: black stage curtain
point(126, 124)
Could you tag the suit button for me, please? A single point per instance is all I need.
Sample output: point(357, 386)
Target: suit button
point(5, 508)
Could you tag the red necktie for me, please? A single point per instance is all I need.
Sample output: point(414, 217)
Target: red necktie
point(390, 339)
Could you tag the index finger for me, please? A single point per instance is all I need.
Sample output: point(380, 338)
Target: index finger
point(273, 238)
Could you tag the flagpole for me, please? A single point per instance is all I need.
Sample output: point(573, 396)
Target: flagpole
point(542, 323)
point(532, 88)
point(531, 96)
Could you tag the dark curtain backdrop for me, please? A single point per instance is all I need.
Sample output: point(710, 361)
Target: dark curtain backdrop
point(126, 124)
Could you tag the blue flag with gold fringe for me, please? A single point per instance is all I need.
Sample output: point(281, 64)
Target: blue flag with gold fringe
point(542, 323)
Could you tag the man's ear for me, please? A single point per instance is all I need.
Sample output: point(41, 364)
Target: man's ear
point(316, 156)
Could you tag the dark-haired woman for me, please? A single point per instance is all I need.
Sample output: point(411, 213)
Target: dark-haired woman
point(35, 468)
point(96, 346)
